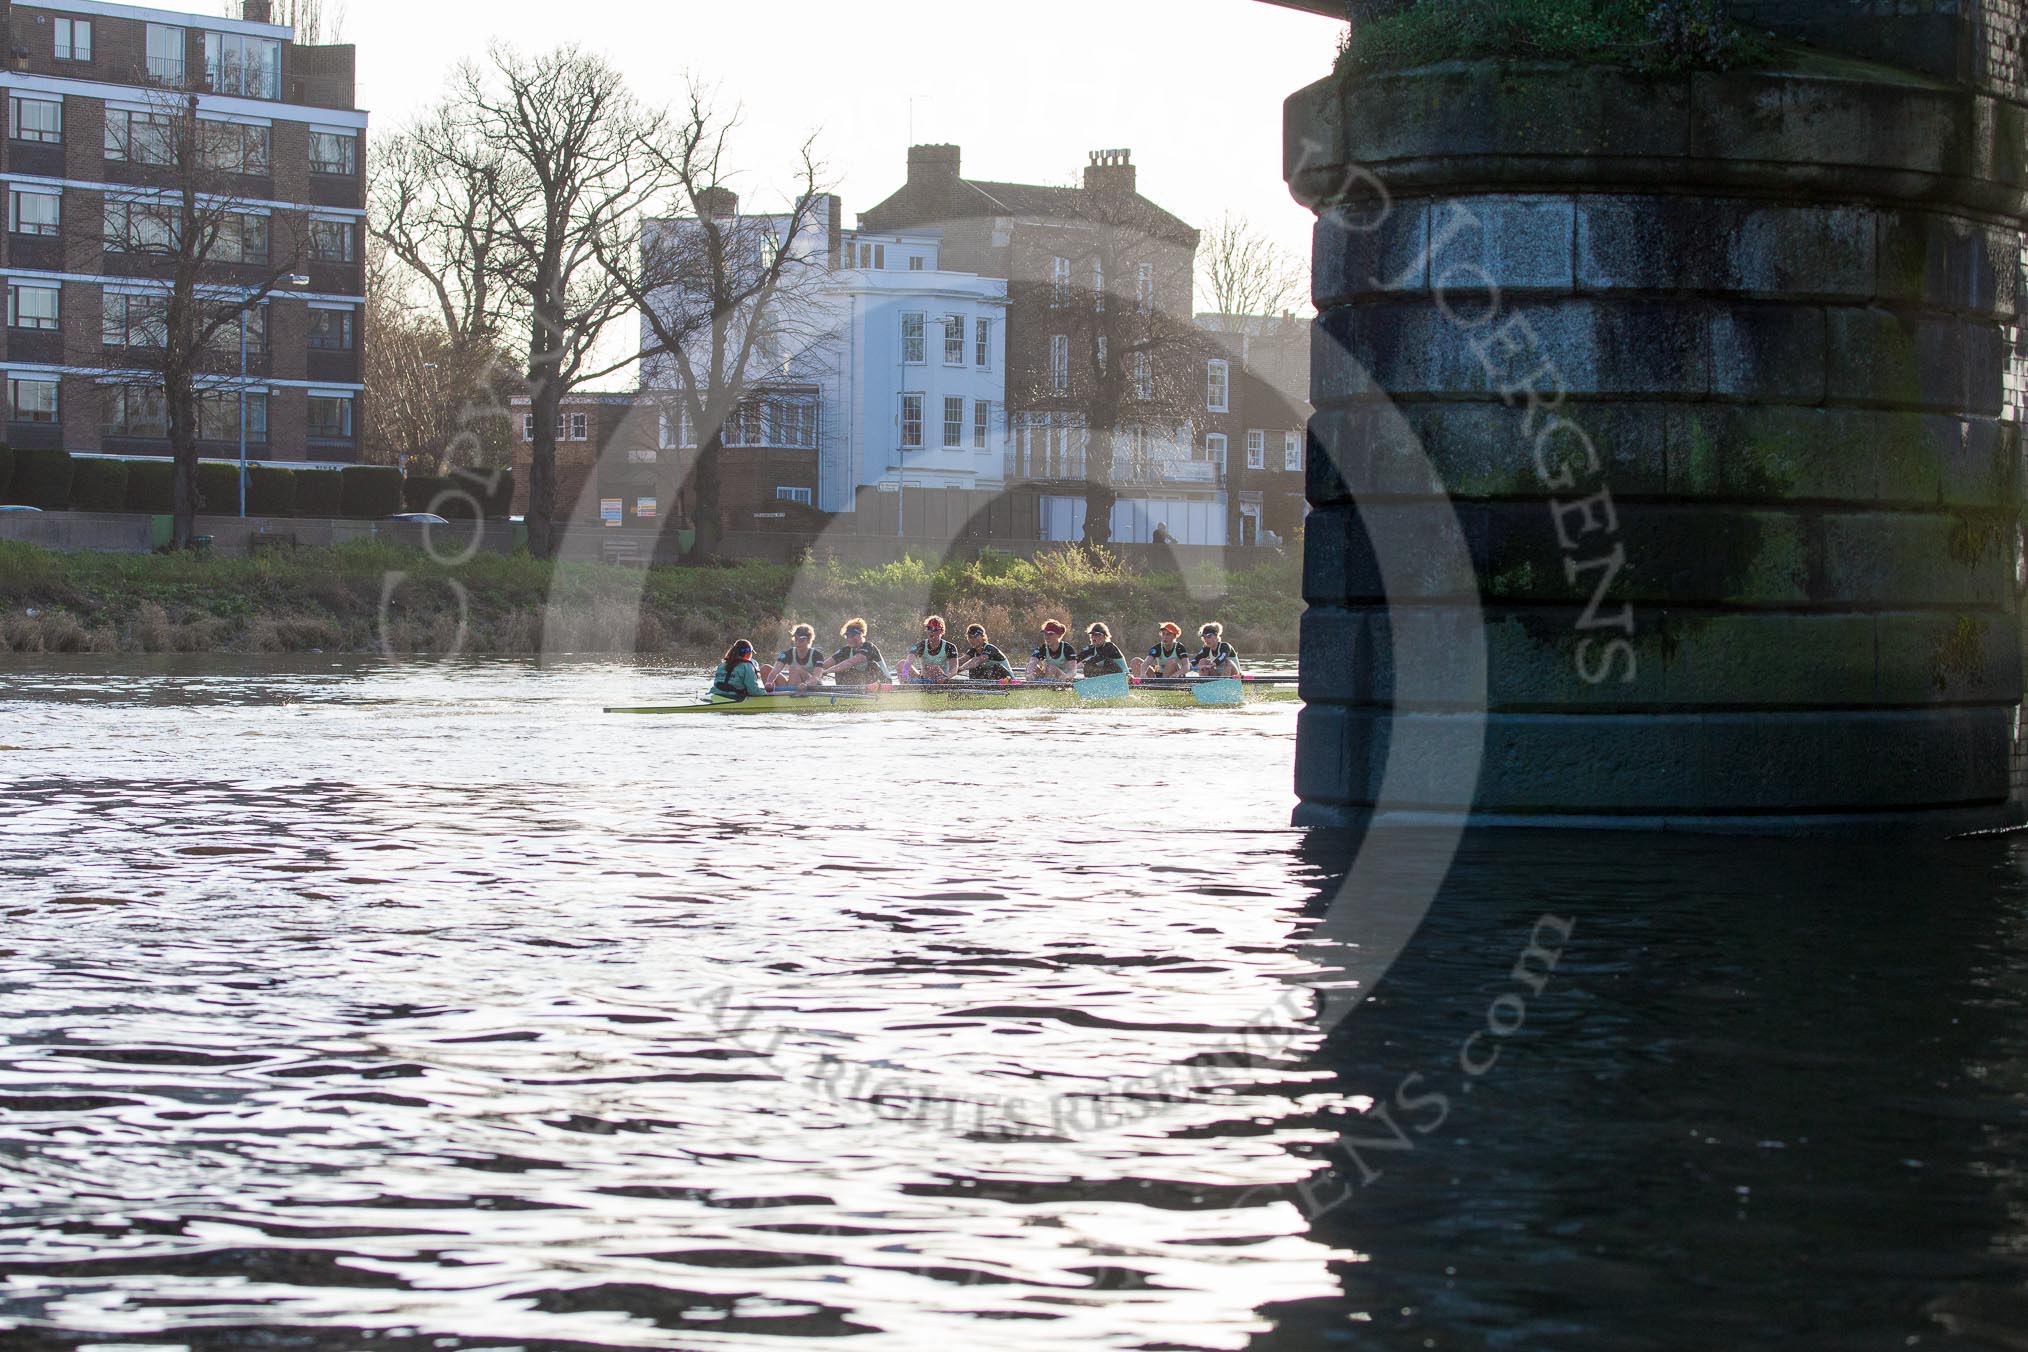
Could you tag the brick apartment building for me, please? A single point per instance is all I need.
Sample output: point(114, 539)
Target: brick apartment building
point(86, 83)
point(1256, 407)
point(1094, 272)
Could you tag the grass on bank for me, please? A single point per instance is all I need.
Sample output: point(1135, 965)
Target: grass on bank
point(1647, 34)
point(373, 597)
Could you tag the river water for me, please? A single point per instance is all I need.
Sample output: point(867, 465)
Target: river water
point(423, 1006)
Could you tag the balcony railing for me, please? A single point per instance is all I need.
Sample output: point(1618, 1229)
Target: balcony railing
point(1128, 470)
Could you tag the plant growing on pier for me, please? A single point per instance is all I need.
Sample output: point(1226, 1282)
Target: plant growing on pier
point(1652, 34)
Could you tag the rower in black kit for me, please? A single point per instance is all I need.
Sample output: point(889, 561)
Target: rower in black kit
point(1103, 657)
point(981, 660)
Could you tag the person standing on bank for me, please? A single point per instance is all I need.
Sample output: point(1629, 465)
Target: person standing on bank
point(1103, 657)
point(1168, 658)
point(1216, 657)
point(933, 659)
point(858, 662)
point(1055, 660)
point(800, 665)
point(736, 678)
point(981, 660)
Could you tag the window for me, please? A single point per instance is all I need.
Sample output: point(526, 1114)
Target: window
point(794, 422)
point(137, 412)
point(1256, 450)
point(1059, 281)
point(783, 493)
point(1144, 377)
point(528, 427)
point(143, 138)
point(1292, 450)
point(165, 54)
point(982, 343)
point(1059, 363)
point(911, 422)
point(234, 147)
point(954, 421)
point(334, 152)
point(32, 400)
point(237, 64)
point(331, 331)
point(580, 425)
point(1214, 448)
point(33, 213)
point(32, 307)
point(331, 416)
point(135, 321)
point(1144, 287)
point(239, 239)
point(333, 242)
point(73, 39)
point(873, 256)
point(1217, 386)
point(912, 342)
point(36, 120)
point(218, 415)
point(954, 340)
point(227, 338)
point(1099, 352)
point(982, 423)
point(915, 262)
point(133, 227)
point(1098, 285)
point(676, 429)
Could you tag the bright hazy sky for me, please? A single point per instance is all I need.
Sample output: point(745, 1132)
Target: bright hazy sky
point(1026, 87)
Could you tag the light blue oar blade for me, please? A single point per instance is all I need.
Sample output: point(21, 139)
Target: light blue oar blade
point(1228, 690)
point(1103, 687)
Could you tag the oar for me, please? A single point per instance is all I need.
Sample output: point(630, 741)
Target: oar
point(1111, 686)
point(1226, 691)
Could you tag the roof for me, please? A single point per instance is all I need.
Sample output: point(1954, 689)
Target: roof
point(914, 203)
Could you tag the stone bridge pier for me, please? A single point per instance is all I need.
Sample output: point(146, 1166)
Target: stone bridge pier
point(1719, 374)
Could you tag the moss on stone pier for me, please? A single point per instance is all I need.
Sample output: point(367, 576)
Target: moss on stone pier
point(1645, 34)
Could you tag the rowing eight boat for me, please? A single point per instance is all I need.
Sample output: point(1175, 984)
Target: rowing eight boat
point(942, 697)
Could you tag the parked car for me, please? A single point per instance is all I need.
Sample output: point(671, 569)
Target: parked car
point(420, 518)
point(36, 510)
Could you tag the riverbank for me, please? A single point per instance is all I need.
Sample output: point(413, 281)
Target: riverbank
point(372, 597)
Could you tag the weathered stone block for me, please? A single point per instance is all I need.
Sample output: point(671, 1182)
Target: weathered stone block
point(1769, 453)
point(1371, 451)
point(1801, 251)
point(1980, 467)
point(1768, 352)
point(1895, 359)
point(1914, 558)
point(1337, 662)
point(1519, 243)
point(1964, 657)
point(1650, 244)
point(1769, 660)
point(1362, 252)
point(1949, 263)
point(1391, 350)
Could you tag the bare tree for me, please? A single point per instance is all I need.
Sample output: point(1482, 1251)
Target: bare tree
point(437, 400)
point(725, 298)
point(1246, 273)
point(1129, 369)
point(213, 257)
point(312, 21)
point(547, 150)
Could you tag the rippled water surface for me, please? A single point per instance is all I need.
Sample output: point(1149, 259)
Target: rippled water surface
point(413, 1006)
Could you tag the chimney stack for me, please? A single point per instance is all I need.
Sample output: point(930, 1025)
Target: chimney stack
point(929, 163)
point(720, 204)
point(257, 11)
point(1110, 171)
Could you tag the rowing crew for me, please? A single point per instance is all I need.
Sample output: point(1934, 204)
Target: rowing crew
point(802, 665)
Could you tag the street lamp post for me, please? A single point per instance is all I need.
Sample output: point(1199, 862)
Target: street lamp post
point(293, 279)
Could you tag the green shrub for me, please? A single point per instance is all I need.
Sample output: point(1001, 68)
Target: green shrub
point(98, 485)
point(151, 486)
point(319, 492)
point(6, 471)
point(42, 479)
point(217, 488)
point(477, 492)
point(270, 491)
point(370, 492)
point(419, 491)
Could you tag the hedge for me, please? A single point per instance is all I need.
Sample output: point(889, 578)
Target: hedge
point(270, 491)
point(217, 489)
point(370, 492)
point(6, 471)
point(151, 486)
point(493, 489)
point(319, 492)
point(42, 479)
point(419, 491)
point(98, 485)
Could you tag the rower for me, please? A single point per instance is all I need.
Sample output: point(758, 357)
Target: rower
point(1216, 657)
point(982, 661)
point(798, 666)
point(933, 659)
point(858, 662)
point(1055, 660)
point(1168, 658)
point(1103, 657)
point(736, 679)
